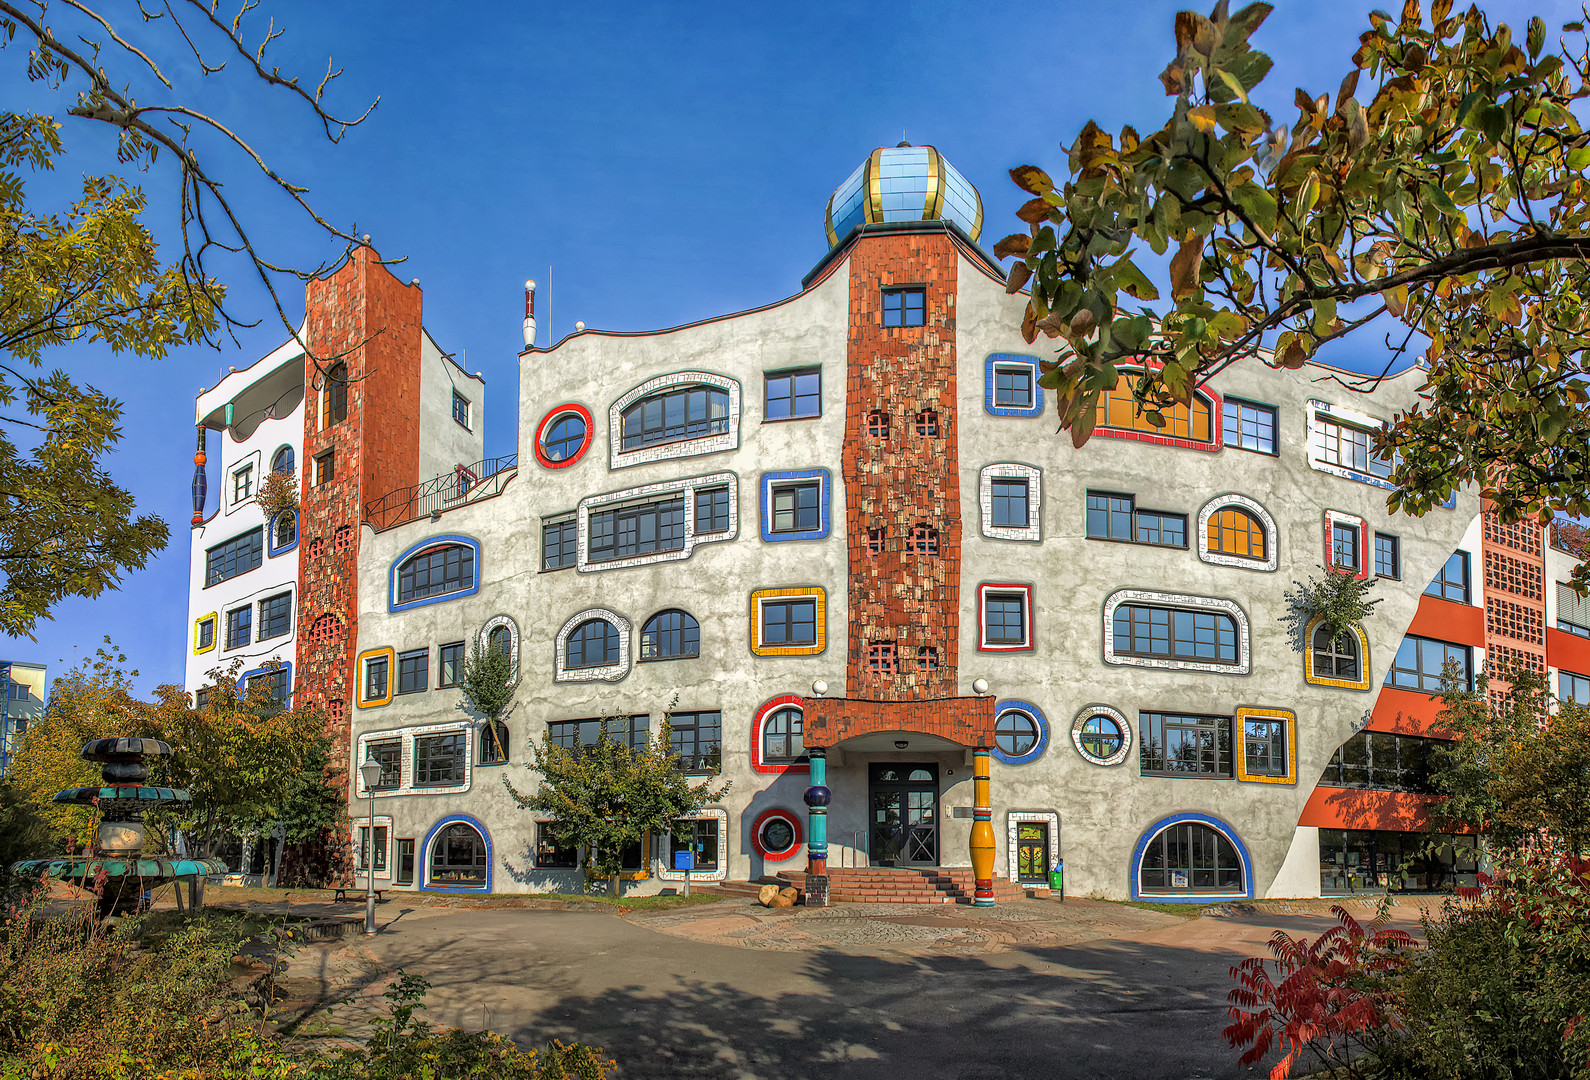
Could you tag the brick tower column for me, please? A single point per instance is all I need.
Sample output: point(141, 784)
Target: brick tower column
point(1515, 594)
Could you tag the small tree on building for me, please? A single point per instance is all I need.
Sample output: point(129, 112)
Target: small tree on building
point(488, 689)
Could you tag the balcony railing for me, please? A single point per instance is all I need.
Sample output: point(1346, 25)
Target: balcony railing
point(464, 484)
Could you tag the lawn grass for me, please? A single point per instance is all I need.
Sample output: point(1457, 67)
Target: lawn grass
point(243, 896)
point(1185, 911)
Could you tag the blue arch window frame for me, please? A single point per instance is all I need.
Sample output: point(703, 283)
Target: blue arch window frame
point(271, 550)
point(285, 665)
point(425, 855)
point(1038, 718)
point(392, 604)
point(1133, 869)
point(824, 503)
point(1011, 360)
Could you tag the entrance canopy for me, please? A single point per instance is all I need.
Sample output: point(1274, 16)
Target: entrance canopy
point(966, 722)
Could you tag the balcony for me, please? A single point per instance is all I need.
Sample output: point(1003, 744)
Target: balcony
point(465, 484)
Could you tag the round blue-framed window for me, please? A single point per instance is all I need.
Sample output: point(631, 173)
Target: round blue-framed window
point(1021, 732)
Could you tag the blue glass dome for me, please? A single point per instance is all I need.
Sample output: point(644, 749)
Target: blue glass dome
point(904, 183)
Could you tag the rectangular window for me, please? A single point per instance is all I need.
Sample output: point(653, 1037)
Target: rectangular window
point(638, 530)
point(881, 658)
point(1177, 745)
point(389, 752)
point(697, 737)
point(1005, 618)
point(1420, 662)
point(1013, 386)
point(1116, 517)
point(362, 856)
point(405, 861)
point(460, 408)
point(276, 616)
point(201, 698)
point(789, 622)
point(927, 658)
point(239, 627)
point(1388, 556)
point(439, 760)
point(1452, 583)
point(1175, 634)
point(559, 543)
point(375, 678)
point(236, 556)
point(1264, 746)
point(699, 835)
point(712, 510)
point(796, 507)
point(275, 683)
point(1349, 448)
point(450, 664)
point(633, 731)
point(1344, 547)
point(207, 633)
point(794, 394)
point(325, 467)
point(1247, 426)
point(1571, 687)
point(1009, 503)
point(550, 855)
point(243, 484)
point(414, 671)
point(1573, 611)
point(904, 307)
point(1386, 762)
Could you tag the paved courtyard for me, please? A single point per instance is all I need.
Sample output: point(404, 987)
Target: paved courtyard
point(1028, 989)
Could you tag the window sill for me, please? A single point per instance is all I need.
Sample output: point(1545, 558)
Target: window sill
point(787, 419)
point(555, 569)
point(492, 764)
point(1185, 776)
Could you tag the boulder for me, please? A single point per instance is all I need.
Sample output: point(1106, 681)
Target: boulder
point(767, 894)
point(782, 899)
point(793, 893)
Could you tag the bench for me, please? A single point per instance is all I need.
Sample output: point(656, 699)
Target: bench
point(342, 895)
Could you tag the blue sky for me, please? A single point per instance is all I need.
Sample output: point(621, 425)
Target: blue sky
point(655, 164)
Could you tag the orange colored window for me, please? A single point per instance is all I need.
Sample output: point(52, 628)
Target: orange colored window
point(1118, 410)
point(1236, 532)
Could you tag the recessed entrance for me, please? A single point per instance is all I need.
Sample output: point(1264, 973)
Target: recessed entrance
point(905, 814)
point(1032, 851)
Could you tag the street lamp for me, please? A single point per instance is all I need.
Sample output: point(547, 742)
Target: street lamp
point(370, 772)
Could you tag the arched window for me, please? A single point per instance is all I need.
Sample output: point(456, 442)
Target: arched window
point(670, 635)
point(1190, 857)
point(336, 394)
point(458, 858)
point(674, 416)
point(283, 461)
point(445, 568)
point(1233, 531)
point(1117, 409)
point(1015, 732)
point(781, 737)
point(500, 641)
point(924, 540)
point(1335, 655)
point(594, 643)
point(284, 530)
point(493, 743)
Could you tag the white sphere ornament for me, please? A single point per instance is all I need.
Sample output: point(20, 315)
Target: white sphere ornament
point(979, 687)
point(819, 687)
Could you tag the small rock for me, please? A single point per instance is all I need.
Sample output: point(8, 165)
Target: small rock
point(767, 894)
point(792, 893)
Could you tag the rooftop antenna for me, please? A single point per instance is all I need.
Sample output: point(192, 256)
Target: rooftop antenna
point(550, 334)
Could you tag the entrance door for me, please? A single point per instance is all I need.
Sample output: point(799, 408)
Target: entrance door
point(905, 814)
point(1032, 851)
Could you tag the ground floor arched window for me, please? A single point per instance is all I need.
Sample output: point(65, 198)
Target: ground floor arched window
point(1190, 857)
point(459, 858)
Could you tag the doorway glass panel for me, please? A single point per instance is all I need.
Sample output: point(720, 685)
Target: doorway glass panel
point(904, 827)
point(1032, 851)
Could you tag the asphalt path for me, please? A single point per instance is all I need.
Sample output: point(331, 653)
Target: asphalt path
point(1147, 1006)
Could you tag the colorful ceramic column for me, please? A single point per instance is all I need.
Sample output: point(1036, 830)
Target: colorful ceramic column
point(817, 799)
point(199, 482)
point(982, 830)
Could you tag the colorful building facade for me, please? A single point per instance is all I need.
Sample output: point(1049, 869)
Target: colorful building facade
point(837, 543)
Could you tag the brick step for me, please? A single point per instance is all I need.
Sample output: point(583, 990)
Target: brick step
point(731, 888)
point(904, 885)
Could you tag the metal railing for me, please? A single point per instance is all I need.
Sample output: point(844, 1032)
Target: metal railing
point(463, 484)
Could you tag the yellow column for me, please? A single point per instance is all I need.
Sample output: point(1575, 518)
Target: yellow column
point(982, 830)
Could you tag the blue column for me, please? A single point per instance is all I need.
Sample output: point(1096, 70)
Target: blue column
point(817, 799)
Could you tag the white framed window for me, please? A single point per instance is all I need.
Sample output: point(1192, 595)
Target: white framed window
point(1176, 632)
point(706, 833)
point(395, 749)
point(1235, 531)
point(592, 646)
point(1010, 499)
point(363, 849)
point(662, 522)
point(1340, 442)
point(682, 414)
point(502, 633)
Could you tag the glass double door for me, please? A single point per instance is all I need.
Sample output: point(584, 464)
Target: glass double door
point(905, 814)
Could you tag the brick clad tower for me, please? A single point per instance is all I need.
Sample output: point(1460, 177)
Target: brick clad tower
point(1515, 593)
point(901, 472)
point(364, 318)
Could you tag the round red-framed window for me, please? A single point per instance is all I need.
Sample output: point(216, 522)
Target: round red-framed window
point(563, 436)
point(777, 834)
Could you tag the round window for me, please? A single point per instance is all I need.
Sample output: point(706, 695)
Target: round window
point(1015, 732)
point(563, 436)
point(777, 834)
point(1101, 735)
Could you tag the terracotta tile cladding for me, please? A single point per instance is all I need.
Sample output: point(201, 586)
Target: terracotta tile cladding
point(894, 483)
point(968, 721)
point(1511, 559)
point(366, 318)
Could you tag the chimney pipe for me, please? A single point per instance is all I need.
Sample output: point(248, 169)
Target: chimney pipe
point(529, 314)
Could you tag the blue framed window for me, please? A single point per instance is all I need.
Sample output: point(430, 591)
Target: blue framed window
point(795, 505)
point(277, 678)
point(283, 535)
point(1011, 385)
point(1021, 732)
point(433, 570)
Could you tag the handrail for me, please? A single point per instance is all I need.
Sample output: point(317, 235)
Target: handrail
point(462, 484)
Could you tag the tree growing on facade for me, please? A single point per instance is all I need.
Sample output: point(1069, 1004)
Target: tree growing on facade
point(487, 687)
point(88, 271)
point(1338, 599)
point(1437, 201)
point(607, 797)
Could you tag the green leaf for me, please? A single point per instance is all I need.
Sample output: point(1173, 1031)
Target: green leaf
point(1133, 281)
point(1536, 36)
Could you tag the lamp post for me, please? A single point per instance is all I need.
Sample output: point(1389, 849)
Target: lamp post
point(370, 772)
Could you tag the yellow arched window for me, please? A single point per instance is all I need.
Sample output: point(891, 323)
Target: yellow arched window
point(1236, 532)
point(1116, 409)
